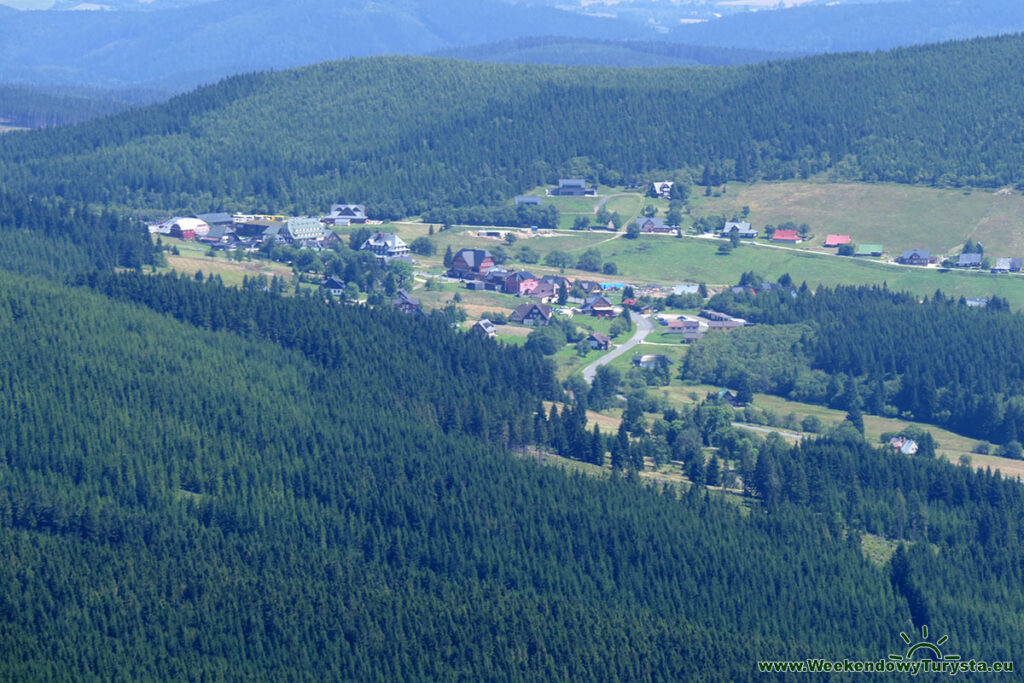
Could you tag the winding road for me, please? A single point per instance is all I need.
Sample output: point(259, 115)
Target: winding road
point(643, 327)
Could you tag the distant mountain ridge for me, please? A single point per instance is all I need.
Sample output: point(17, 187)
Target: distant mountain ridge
point(181, 47)
point(586, 52)
point(406, 134)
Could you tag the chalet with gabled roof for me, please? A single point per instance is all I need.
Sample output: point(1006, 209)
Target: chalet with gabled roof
point(385, 246)
point(786, 237)
point(915, 257)
point(836, 240)
point(598, 306)
point(346, 214)
point(406, 303)
point(333, 285)
point(471, 264)
point(741, 228)
point(652, 225)
point(485, 328)
point(969, 261)
point(662, 189)
point(599, 342)
point(532, 314)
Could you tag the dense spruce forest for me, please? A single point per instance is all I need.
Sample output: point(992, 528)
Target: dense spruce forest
point(25, 107)
point(205, 482)
point(404, 135)
point(884, 352)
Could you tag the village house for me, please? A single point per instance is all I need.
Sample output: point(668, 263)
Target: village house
point(345, 214)
point(589, 287)
point(545, 292)
point(915, 257)
point(598, 306)
point(653, 225)
point(528, 200)
point(385, 246)
point(903, 444)
point(406, 304)
point(599, 342)
point(1007, 265)
point(531, 314)
point(187, 228)
point(836, 240)
point(692, 329)
point(214, 219)
point(221, 236)
point(303, 229)
point(969, 261)
point(333, 285)
point(662, 189)
point(786, 237)
point(651, 360)
point(572, 187)
point(485, 328)
point(869, 250)
point(742, 230)
point(471, 264)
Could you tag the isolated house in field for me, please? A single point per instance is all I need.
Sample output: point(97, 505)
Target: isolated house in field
point(915, 257)
point(334, 286)
point(836, 240)
point(662, 189)
point(979, 302)
point(651, 360)
point(786, 237)
point(406, 304)
point(346, 214)
point(653, 225)
point(385, 246)
point(529, 200)
point(484, 328)
point(573, 187)
point(531, 314)
point(599, 342)
point(869, 250)
point(471, 264)
point(742, 230)
point(969, 261)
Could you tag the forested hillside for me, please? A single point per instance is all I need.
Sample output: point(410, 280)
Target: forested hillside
point(25, 107)
point(204, 482)
point(884, 352)
point(403, 134)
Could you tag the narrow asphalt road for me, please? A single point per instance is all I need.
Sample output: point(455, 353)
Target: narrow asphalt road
point(643, 327)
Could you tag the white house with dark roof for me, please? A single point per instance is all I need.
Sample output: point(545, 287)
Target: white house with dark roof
point(385, 246)
point(741, 228)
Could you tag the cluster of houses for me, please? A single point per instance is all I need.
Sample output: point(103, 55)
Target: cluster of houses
point(693, 328)
point(227, 231)
point(969, 261)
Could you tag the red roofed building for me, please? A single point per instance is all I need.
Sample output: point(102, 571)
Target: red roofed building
point(788, 236)
point(836, 240)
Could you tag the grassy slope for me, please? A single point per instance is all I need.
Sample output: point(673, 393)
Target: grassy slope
point(897, 216)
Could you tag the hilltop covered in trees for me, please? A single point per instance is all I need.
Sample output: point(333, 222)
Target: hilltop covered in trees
point(404, 135)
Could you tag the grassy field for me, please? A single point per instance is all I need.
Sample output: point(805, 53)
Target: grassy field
point(897, 216)
point(951, 446)
point(192, 258)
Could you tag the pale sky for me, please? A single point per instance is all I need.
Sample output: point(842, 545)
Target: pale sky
point(28, 4)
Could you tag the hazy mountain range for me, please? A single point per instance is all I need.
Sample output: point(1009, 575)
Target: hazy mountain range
point(177, 44)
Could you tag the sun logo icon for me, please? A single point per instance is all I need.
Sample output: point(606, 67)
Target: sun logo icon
point(925, 649)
